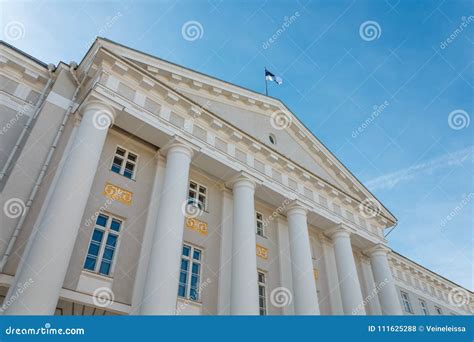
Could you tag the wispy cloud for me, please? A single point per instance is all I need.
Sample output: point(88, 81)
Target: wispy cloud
point(427, 167)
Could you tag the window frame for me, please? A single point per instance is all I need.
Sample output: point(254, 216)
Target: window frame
point(262, 284)
point(191, 261)
point(195, 201)
point(125, 160)
point(106, 232)
point(424, 307)
point(257, 221)
point(406, 302)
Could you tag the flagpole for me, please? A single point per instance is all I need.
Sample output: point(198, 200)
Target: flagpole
point(266, 83)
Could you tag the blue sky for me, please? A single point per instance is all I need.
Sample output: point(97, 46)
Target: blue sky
point(414, 156)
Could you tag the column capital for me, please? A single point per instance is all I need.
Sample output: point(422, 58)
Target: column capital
point(340, 230)
point(323, 238)
point(224, 189)
point(103, 115)
point(296, 207)
point(98, 105)
point(159, 156)
point(178, 145)
point(243, 179)
point(378, 249)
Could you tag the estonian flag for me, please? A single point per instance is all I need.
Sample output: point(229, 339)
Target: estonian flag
point(271, 77)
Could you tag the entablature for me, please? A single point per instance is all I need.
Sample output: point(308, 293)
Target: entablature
point(123, 79)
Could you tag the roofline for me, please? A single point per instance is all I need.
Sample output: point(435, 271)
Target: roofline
point(191, 70)
point(24, 54)
point(423, 267)
point(395, 220)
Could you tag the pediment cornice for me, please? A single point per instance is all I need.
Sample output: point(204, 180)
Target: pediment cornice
point(181, 76)
point(143, 81)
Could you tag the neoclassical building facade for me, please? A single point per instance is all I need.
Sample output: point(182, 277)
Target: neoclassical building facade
point(131, 185)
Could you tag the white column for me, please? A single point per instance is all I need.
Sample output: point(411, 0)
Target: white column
point(304, 284)
point(284, 258)
point(384, 281)
point(244, 288)
point(46, 260)
point(161, 287)
point(332, 278)
point(371, 290)
point(349, 284)
point(225, 266)
point(147, 241)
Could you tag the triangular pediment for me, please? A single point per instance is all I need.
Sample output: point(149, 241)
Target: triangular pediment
point(259, 126)
point(252, 113)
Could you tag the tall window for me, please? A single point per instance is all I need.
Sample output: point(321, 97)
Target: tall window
point(190, 274)
point(197, 195)
point(124, 163)
point(262, 293)
point(438, 310)
point(103, 244)
point(259, 227)
point(423, 306)
point(406, 302)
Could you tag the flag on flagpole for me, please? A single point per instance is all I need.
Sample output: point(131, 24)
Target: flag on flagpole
point(271, 77)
